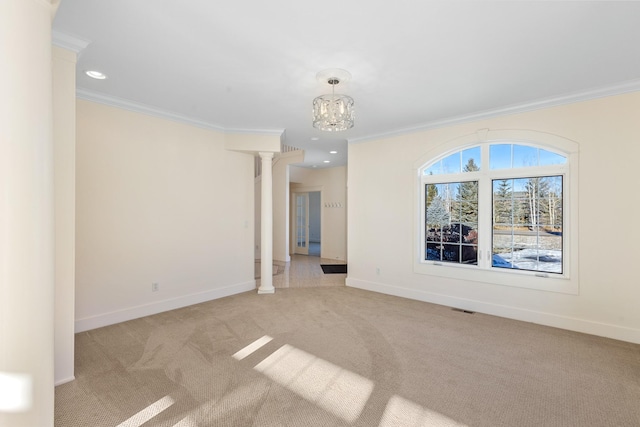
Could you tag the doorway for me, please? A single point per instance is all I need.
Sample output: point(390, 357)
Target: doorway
point(307, 223)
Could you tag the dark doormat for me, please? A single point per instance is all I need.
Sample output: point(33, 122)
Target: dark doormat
point(334, 268)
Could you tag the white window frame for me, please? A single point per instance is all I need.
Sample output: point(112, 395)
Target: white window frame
point(567, 282)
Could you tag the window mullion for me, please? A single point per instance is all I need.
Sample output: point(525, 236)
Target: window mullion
point(484, 221)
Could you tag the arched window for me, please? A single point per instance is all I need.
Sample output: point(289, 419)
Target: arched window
point(499, 206)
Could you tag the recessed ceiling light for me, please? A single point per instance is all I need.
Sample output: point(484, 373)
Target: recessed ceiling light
point(315, 138)
point(95, 74)
point(333, 152)
point(327, 161)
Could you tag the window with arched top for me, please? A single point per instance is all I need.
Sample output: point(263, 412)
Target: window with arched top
point(497, 208)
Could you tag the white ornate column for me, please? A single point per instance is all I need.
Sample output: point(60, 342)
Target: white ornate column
point(266, 228)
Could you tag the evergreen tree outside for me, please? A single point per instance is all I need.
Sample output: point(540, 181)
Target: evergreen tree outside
point(466, 207)
point(431, 192)
point(437, 214)
point(471, 166)
point(521, 212)
point(502, 202)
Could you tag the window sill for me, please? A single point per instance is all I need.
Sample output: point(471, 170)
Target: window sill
point(548, 282)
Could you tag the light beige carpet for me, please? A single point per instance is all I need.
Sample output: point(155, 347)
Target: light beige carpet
point(338, 356)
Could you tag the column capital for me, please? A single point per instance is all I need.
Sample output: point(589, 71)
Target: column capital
point(266, 154)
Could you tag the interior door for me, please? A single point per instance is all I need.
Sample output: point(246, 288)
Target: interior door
point(302, 223)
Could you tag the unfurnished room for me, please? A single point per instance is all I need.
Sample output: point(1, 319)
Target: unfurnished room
point(348, 213)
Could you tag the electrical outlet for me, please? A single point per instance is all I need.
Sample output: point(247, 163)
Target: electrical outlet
point(155, 287)
point(378, 271)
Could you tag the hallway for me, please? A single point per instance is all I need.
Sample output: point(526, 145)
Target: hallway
point(303, 272)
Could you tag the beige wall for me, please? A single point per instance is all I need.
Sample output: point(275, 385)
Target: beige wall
point(332, 182)
point(64, 134)
point(157, 202)
point(382, 216)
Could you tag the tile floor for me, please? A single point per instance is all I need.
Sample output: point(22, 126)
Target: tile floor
point(302, 272)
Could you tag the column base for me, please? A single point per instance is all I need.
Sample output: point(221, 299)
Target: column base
point(266, 291)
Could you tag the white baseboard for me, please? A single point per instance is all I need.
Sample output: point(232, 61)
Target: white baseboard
point(113, 317)
point(64, 381)
point(548, 319)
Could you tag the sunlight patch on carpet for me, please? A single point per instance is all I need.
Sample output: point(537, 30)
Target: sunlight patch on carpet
point(334, 389)
point(147, 413)
point(187, 421)
point(248, 350)
point(403, 412)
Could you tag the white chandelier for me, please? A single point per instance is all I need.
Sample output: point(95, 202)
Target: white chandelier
point(333, 112)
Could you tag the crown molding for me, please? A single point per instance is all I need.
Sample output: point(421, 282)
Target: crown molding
point(68, 42)
point(611, 90)
point(137, 107)
point(601, 92)
point(272, 132)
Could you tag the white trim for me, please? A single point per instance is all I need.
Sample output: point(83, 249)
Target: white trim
point(138, 107)
point(538, 317)
point(60, 39)
point(274, 132)
point(68, 42)
point(288, 155)
point(600, 92)
point(131, 313)
point(64, 381)
point(142, 108)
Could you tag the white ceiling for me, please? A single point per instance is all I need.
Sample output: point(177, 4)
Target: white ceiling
point(251, 64)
